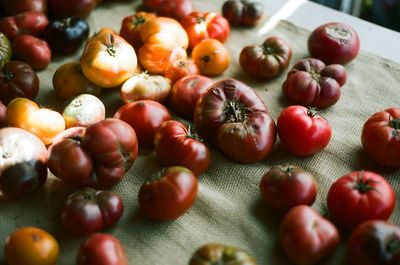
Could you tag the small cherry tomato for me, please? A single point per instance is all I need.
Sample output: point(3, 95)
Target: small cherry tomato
point(211, 57)
point(84, 110)
point(243, 13)
point(180, 68)
point(33, 51)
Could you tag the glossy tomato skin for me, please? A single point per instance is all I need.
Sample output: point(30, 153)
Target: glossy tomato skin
point(234, 118)
point(144, 116)
point(358, 197)
point(18, 79)
point(312, 83)
point(12, 7)
point(30, 22)
point(306, 236)
point(283, 187)
point(177, 9)
point(76, 8)
point(211, 57)
point(102, 249)
point(380, 137)
point(33, 51)
point(176, 145)
point(84, 110)
point(334, 43)
point(266, 60)
point(169, 194)
point(374, 243)
point(179, 69)
point(302, 131)
point(243, 13)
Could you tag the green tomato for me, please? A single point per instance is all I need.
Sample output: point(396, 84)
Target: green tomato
point(5, 50)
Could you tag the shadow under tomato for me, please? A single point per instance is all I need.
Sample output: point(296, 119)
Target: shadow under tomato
point(365, 162)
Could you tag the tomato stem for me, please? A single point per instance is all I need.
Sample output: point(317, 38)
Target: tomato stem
point(88, 196)
point(8, 76)
point(289, 169)
point(393, 244)
point(138, 20)
point(363, 186)
point(395, 123)
point(200, 20)
point(192, 134)
point(235, 111)
point(312, 112)
point(66, 22)
point(111, 47)
point(268, 50)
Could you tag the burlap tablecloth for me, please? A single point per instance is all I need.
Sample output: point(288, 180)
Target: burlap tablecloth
point(228, 208)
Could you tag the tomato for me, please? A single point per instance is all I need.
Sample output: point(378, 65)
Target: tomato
point(87, 211)
point(211, 57)
point(200, 26)
point(31, 246)
point(306, 236)
point(283, 187)
point(243, 13)
point(180, 68)
point(185, 93)
point(100, 166)
point(12, 7)
point(30, 22)
point(108, 60)
point(177, 145)
point(33, 51)
point(42, 122)
point(23, 163)
point(360, 196)
point(102, 249)
point(144, 116)
point(168, 194)
point(236, 120)
point(84, 110)
point(5, 50)
point(69, 81)
point(76, 8)
point(3, 115)
point(177, 9)
point(302, 131)
point(374, 243)
point(334, 43)
point(216, 253)
point(266, 60)
point(380, 137)
point(18, 79)
point(312, 83)
point(143, 86)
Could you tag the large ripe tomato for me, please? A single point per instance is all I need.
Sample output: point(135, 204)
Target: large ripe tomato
point(102, 249)
point(32, 50)
point(302, 131)
point(374, 243)
point(380, 137)
point(200, 26)
point(177, 9)
point(84, 110)
point(312, 83)
point(236, 120)
point(360, 196)
point(168, 194)
point(31, 246)
point(211, 57)
point(30, 22)
point(243, 13)
point(306, 236)
point(283, 187)
point(177, 145)
point(334, 43)
point(266, 60)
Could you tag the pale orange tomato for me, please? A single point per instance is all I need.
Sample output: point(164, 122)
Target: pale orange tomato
point(211, 57)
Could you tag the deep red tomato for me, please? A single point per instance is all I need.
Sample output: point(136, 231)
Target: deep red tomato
point(102, 249)
point(236, 120)
point(334, 43)
point(360, 196)
point(306, 236)
point(144, 116)
point(374, 243)
point(76, 8)
point(283, 187)
point(312, 83)
point(243, 12)
point(87, 211)
point(30, 22)
point(180, 68)
point(185, 93)
point(177, 9)
point(380, 137)
point(200, 26)
point(34, 51)
point(302, 131)
point(168, 194)
point(12, 7)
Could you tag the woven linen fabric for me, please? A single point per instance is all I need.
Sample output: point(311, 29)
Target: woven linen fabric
point(228, 208)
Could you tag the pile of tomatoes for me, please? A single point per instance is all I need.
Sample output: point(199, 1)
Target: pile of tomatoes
point(164, 57)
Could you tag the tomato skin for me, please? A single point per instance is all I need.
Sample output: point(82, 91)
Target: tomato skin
point(283, 187)
point(101, 249)
point(243, 13)
point(84, 110)
point(306, 236)
point(358, 197)
point(31, 246)
point(380, 137)
point(12, 7)
point(211, 57)
point(179, 69)
point(177, 9)
point(76, 8)
point(30, 22)
point(374, 243)
point(169, 194)
point(3, 115)
point(34, 51)
point(313, 132)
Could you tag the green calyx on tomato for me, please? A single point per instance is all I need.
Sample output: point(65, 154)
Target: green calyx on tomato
point(8, 76)
point(287, 169)
point(138, 20)
point(192, 134)
point(395, 124)
point(312, 112)
point(363, 186)
point(393, 244)
point(111, 45)
point(235, 111)
point(268, 50)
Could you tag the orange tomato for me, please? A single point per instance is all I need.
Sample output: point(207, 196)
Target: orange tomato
point(26, 114)
point(179, 69)
point(211, 57)
point(31, 246)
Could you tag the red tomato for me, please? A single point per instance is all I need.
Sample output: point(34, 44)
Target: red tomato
point(180, 68)
point(12, 7)
point(306, 236)
point(34, 51)
point(168, 194)
point(101, 249)
point(283, 187)
point(374, 243)
point(243, 13)
point(380, 137)
point(334, 43)
point(360, 196)
point(30, 22)
point(144, 116)
point(177, 9)
point(311, 83)
point(312, 131)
